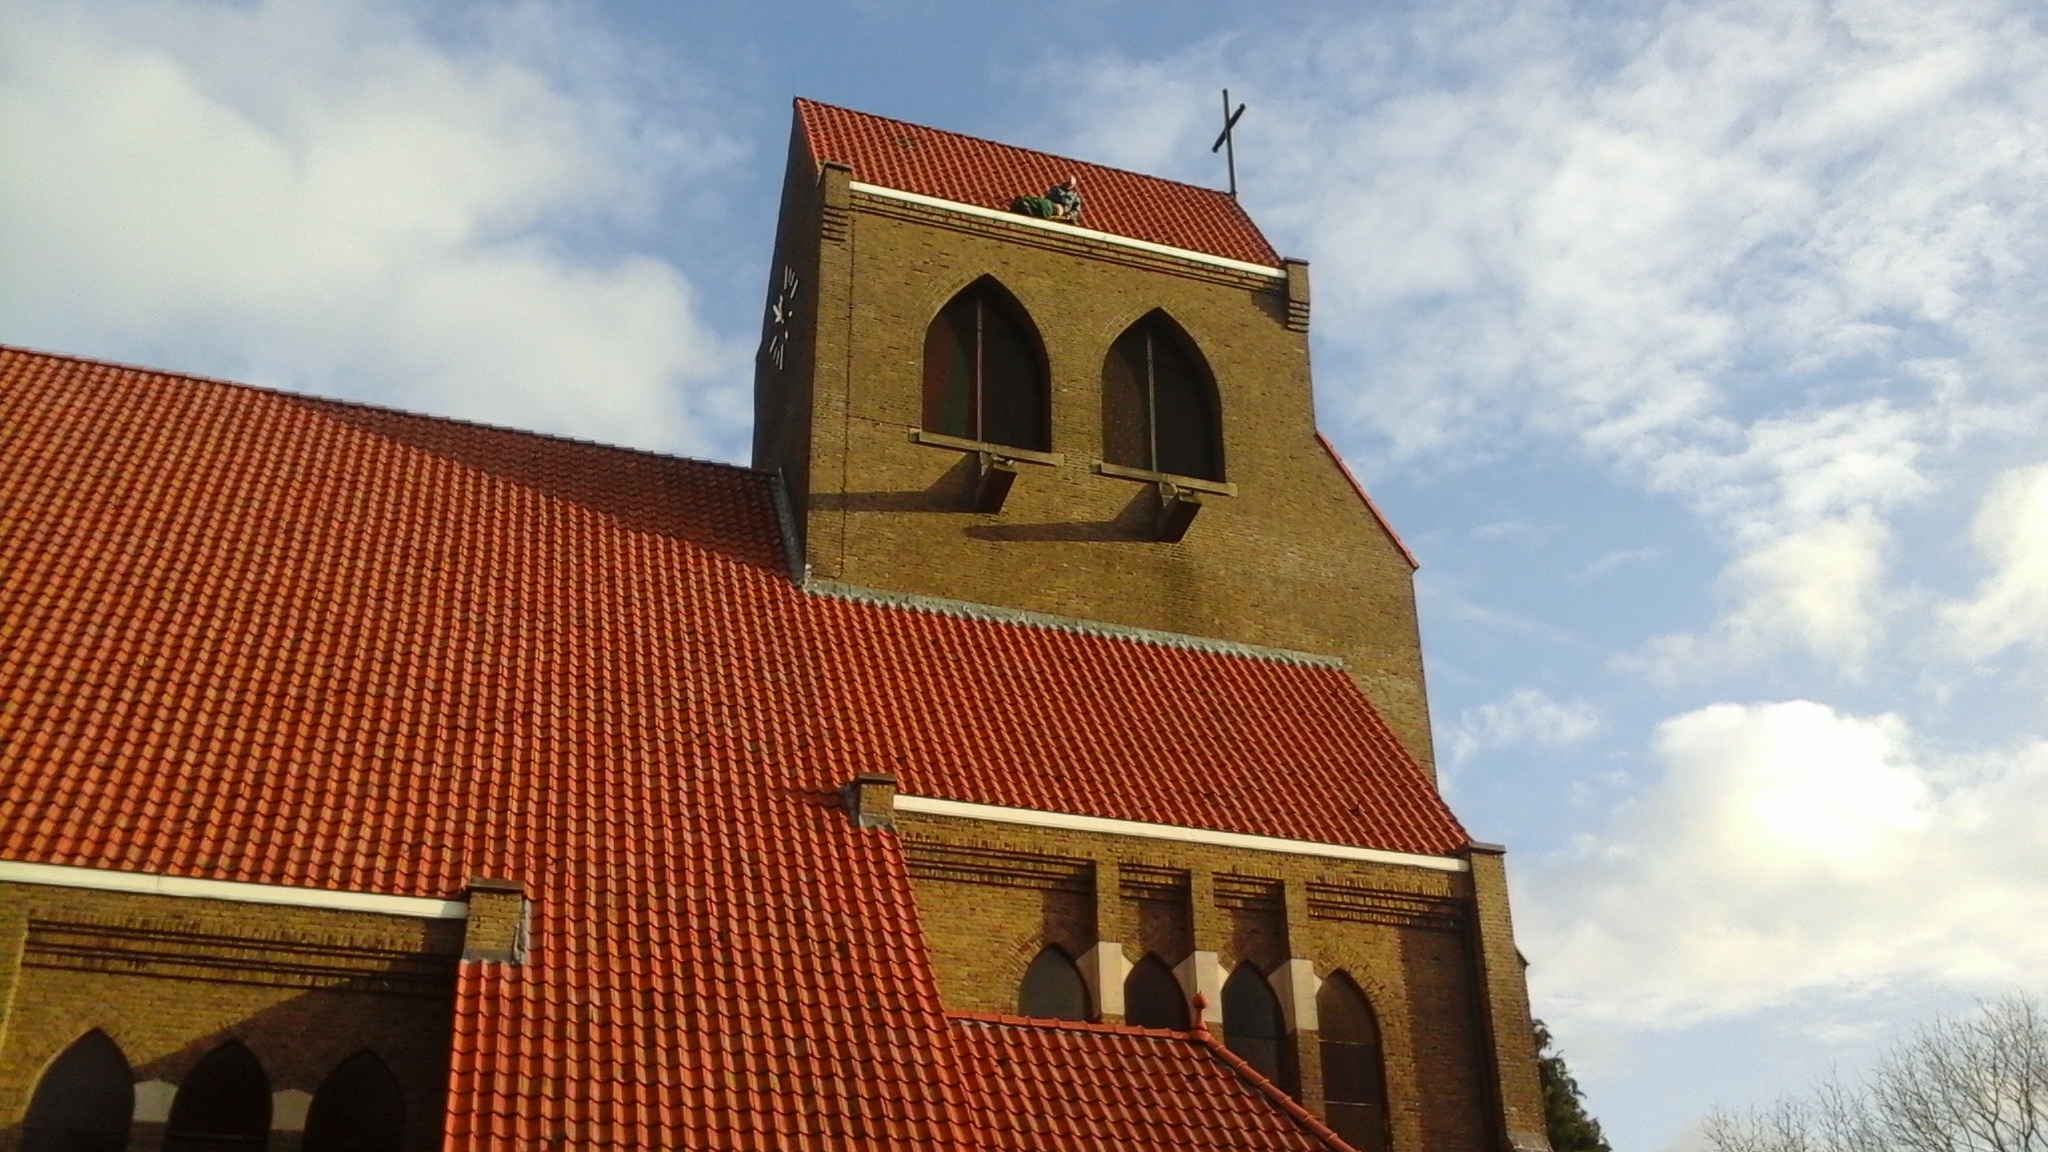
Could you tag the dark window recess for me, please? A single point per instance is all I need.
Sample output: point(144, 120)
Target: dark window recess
point(1354, 1067)
point(1053, 988)
point(223, 1105)
point(984, 377)
point(359, 1108)
point(83, 1101)
point(1153, 998)
point(1252, 1025)
point(1159, 403)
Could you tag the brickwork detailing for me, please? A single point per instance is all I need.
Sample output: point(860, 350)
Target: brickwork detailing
point(1105, 968)
point(496, 926)
point(169, 979)
point(1294, 560)
point(1512, 1032)
point(871, 800)
point(1297, 294)
point(1202, 976)
point(990, 895)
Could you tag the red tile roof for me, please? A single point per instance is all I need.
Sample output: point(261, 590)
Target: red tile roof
point(968, 170)
point(1054, 1084)
point(260, 637)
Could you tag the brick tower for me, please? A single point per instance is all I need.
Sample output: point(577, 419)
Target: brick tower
point(1040, 507)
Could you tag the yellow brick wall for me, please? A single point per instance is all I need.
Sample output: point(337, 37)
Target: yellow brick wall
point(1294, 560)
point(983, 929)
point(164, 978)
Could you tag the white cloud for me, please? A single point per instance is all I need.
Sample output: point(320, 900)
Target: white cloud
point(1763, 257)
point(1789, 850)
point(321, 196)
point(1525, 717)
point(2011, 606)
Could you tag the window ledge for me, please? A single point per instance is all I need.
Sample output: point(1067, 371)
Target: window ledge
point(1191, 483)
point(1006, 451)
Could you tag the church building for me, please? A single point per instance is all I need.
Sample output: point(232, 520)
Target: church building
point(1028, 751)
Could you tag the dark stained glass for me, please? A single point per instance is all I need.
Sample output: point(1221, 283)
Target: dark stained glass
point(223, 1105)
point(1052, 988)
point(1354, 1067)
point(359, 1108)
point(1252, 1025)
point(1153, 998)
point(984, 378)
point(83, 1101)
point(1159, 403)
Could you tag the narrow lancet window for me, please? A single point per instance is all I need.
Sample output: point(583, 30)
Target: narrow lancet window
point(1252, 1025)
point(1159, 403)
point(984, 376)
point(223, 1105)
point(359, 1108)
point(1153, 998)
point(1052, 988)
point(1354, 1065)
point(84, 1100)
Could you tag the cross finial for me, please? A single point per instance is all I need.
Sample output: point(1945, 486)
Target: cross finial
point(1226, 140)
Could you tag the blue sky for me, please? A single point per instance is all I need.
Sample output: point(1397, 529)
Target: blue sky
point(1695, 347)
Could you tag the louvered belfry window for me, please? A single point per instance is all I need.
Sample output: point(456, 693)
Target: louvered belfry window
point(984, 376)
point(1159, 403)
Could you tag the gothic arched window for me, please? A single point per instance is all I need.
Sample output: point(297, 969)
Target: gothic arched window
point(1252, 1025)
point(984, 376)
point(223, 1106)
point(1159, 403)
point(359, 1108)
point(1153, 998)
point(1354, 1066)
point(84, 1100)
point(1052, 988)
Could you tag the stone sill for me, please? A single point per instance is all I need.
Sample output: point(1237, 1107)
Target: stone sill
point(1007, 452)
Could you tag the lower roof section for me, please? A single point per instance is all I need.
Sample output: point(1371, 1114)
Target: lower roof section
point(1046, 1084)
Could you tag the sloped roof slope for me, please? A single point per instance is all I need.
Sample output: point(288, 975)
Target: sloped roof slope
point(1055, 1084)
point(260, 637)
point(968, 170)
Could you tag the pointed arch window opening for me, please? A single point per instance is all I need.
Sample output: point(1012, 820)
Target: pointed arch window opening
point(1354, 1065)
point(222, 1106)
point(1153, 997)
point(84, 1101)
point(1052, 988)
point(1159, 405)
point(1253, 1026)
point(984, 376)
point(358, 1108)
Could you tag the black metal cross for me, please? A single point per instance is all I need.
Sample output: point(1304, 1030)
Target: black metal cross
point(1226, 140)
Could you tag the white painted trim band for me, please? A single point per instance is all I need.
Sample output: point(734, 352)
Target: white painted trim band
point(151, 884)
point(1069, 230)
point(928, 806)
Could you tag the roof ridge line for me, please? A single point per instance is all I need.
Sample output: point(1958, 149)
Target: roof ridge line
point(368, 406)
point(1016, 147)
point(967, 609)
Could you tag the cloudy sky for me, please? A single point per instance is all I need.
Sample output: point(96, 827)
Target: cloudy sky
point(1696, 347)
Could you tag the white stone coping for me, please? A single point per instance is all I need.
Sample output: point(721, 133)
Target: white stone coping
point(1055, 226)
point(152, 884)
point(929, 806)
